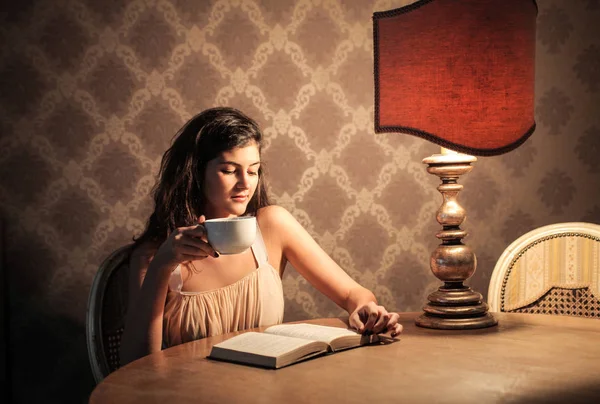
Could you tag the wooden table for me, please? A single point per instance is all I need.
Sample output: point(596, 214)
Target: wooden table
point(527, 358)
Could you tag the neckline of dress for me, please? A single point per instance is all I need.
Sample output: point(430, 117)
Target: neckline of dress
point(231, 285)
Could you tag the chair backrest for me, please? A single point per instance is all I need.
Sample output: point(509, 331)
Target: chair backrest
point(554, 269)
point(107, 305)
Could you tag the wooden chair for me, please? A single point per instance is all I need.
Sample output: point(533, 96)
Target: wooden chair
point(107, 305)
point(554, 269)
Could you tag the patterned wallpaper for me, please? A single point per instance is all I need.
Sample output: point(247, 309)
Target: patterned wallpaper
point(92, 93)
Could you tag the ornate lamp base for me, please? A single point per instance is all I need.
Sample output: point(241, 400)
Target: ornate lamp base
point(454, 305)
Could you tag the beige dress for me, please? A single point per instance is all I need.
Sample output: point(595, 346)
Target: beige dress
point(255, 300)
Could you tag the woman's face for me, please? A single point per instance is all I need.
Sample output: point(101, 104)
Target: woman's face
point(230, 181)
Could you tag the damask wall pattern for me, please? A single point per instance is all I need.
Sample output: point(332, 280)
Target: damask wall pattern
point(92, 93)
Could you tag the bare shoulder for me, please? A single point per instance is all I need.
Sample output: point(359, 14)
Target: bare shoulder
point(272, 213)
point(278, 228)
point(277, 223)
point(275, 218)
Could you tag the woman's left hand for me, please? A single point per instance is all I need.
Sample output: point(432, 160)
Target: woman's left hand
point(374, 319)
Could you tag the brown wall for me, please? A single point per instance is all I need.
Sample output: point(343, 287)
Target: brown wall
point(92, 92)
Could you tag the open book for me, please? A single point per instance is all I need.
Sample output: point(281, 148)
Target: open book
point(284, 344)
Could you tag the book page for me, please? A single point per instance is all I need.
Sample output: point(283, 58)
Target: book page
point(263, 344)
point(312, 332)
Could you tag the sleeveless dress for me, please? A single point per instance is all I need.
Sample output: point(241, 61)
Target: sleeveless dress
point(252, 301)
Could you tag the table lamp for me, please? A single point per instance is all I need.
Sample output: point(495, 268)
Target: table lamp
point(459, 73)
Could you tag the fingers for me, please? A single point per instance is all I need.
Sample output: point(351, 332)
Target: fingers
point(382, 322)
point(372, 318)
point(355, 322)
point(388, 322)
point(397, 330)
point(187, 240)
point(372, 315)
point(393, 326)
point(196, 230)
point(197, 251)
point(191, 241)
point(364, 318)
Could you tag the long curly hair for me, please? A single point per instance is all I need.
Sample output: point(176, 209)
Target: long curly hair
point(178, 194)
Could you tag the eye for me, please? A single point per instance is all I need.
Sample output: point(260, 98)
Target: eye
point(229, 172)
point(252, 172)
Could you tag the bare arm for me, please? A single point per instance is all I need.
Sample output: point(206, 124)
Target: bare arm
point(148, 286)
point(314, 264)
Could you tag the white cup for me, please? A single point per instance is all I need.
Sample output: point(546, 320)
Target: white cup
point(231, 235)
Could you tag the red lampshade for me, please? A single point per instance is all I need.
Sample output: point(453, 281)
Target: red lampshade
point(459, 73)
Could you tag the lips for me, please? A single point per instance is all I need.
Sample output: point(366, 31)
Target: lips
point(240, 198)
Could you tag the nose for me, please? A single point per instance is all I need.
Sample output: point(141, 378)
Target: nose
point(243, 181)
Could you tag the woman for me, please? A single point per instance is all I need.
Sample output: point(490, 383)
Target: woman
point(181, 289)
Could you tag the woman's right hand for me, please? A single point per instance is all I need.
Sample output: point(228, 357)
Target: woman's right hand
point(185, 244)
